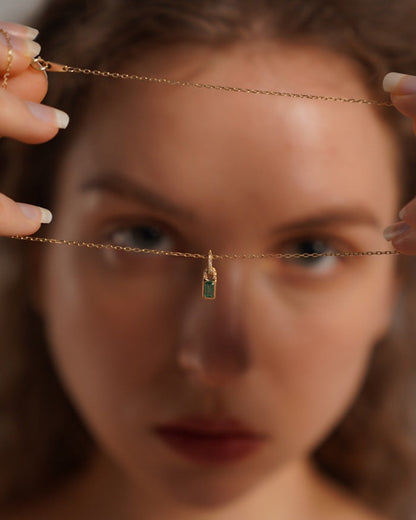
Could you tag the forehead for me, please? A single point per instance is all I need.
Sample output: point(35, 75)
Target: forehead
point(201, 139)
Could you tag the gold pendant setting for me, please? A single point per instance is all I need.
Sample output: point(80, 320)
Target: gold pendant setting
point(209, 280)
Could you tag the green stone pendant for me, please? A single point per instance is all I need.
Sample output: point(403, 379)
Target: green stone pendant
point(209, 280)
point(209, 289)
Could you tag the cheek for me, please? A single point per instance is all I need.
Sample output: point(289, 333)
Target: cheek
point(106, 336)
point(319, 348)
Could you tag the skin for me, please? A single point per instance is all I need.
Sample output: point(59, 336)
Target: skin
point(247, 356)
point(285, 346)
point(17, 121)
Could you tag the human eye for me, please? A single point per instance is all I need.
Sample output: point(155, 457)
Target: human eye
point(316, 256)
point(141, 236)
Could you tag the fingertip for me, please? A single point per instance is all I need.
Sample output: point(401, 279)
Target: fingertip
point(35, 213)
point(396, 230)
point(22, 31)
point(391, 81)
point(402, 88)
point(399, 84)
point(408, 213)
point(18, 218)
point(46, 122)
point(402, 237)
point(52, 116)
point(405, 103)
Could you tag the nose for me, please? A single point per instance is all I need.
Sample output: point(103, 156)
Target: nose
point(214, 346)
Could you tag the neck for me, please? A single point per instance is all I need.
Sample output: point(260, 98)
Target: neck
point(296, 491)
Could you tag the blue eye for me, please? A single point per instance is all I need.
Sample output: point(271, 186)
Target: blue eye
point(311, 246)
point(143, 237)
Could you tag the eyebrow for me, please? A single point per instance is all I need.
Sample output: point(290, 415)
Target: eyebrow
point(117, 184)
point(351, 216)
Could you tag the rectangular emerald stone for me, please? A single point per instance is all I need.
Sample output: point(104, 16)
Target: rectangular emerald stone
point(209, 289)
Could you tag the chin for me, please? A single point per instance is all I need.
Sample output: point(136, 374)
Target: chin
point(215, 488)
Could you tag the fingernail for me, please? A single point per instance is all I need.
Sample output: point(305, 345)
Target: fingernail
point(32, 48)
point(31, 32)
point(396, 230)
point(23, 31)
point(50, 115)
point(35, 213)
point(26, 47)
point(399, 83)
point(408, 212)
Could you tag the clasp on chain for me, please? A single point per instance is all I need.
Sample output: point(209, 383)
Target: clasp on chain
point(40, 64)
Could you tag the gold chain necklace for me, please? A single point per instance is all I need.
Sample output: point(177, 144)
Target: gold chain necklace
point(209, 276)
point(6, 75)
point(44, 65)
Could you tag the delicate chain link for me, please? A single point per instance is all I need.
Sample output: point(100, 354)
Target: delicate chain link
point(41, 64)
point(199, 256)
point(6, 75)
point(224, 88)
point(53, 67)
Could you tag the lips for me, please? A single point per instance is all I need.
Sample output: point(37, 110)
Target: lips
point(210, 441)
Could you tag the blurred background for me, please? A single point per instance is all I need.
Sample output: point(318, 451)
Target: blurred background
point(18, 10)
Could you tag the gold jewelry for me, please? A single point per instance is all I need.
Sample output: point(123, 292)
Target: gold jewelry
point(39, 64)
point(209, 276)
point(209, 280)
point(42, 64)
point(6, 75)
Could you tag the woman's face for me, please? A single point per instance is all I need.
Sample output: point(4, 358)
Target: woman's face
point(199, 400)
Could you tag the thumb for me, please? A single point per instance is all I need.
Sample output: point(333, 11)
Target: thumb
point(402, 88)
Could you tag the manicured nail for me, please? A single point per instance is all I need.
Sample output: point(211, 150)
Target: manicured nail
point(22, 31)
point(48, 114)
point(31, 32)
point(26, 47)
point(32, 48)
point(400, 84)
point(396, 230)
point(408, 211)
point(35, 213)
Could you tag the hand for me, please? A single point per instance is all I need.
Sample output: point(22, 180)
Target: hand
point(402, 234)
point(24, 118)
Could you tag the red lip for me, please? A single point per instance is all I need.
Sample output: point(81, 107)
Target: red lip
point(210, 441)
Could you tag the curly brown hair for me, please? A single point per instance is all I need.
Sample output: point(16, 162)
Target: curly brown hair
point(42, 440)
